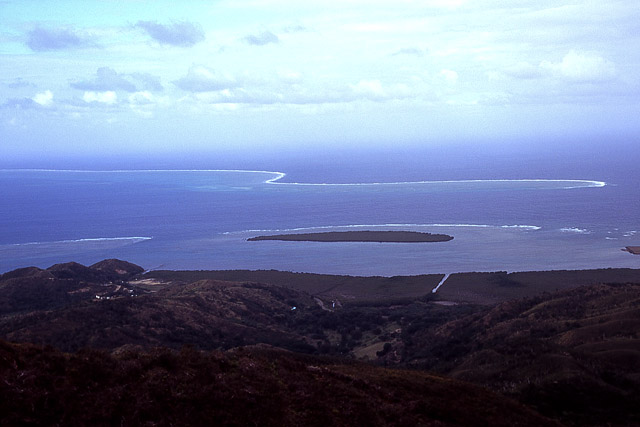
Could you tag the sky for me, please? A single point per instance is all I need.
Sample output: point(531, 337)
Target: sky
point(109, 79)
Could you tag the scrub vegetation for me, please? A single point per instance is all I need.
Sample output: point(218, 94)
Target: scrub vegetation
point(185, 347)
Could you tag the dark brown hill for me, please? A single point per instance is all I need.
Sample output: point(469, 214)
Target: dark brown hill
point(34, 293)
point(206, 314)
point(495, 287)
point(249, 386)
point(574, 354)
point(32, 289)
point(26, 272)
point(73, 270)
point(106, 270)
point(117, 269)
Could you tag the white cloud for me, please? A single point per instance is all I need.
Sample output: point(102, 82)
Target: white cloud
point(264, 38)
point(203, 79)
point(144, 103)
point(369, 89)
point(450, 76)
point(582, 67)
point(375, 91)
point(106, 79)
point(141, 98)
point(289, 76)
point(446, 4)
point(350, 56)
point(410, 51)
point(44, 98)
point(109, 97)
point(523, 70)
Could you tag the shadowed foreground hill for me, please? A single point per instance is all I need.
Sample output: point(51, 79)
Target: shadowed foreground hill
point(571, 355)
point(574, 354)
point(247, 386)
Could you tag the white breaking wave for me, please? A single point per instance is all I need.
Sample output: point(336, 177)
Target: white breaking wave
point(564, 183)
point(525, 227)
point(575, 230)
point(135, 239)
point(391, 225)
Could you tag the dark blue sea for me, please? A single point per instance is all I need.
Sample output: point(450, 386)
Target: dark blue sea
point(507, 211)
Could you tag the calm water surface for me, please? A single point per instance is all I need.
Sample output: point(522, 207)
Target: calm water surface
point(201, 219)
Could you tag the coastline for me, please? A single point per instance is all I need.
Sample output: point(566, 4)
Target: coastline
point(484, 288)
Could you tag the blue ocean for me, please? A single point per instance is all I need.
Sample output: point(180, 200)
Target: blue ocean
point(536, 213)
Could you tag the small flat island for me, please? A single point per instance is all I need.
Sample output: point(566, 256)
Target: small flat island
point(359, 236)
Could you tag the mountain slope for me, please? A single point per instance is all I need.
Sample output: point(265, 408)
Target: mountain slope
point(573, 354)
point(207, 314)
point(249, 386)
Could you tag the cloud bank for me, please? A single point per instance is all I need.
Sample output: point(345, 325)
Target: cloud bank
point(106, 79)
point(184, 34)
point(203, 79)
point(42, 39)
point(108, 97)
point(264, 38)
point(582, 67)
point(424, 70)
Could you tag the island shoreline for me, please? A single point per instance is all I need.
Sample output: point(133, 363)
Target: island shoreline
point(362, 236)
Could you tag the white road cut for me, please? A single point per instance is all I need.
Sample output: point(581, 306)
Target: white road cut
point(446, 276)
